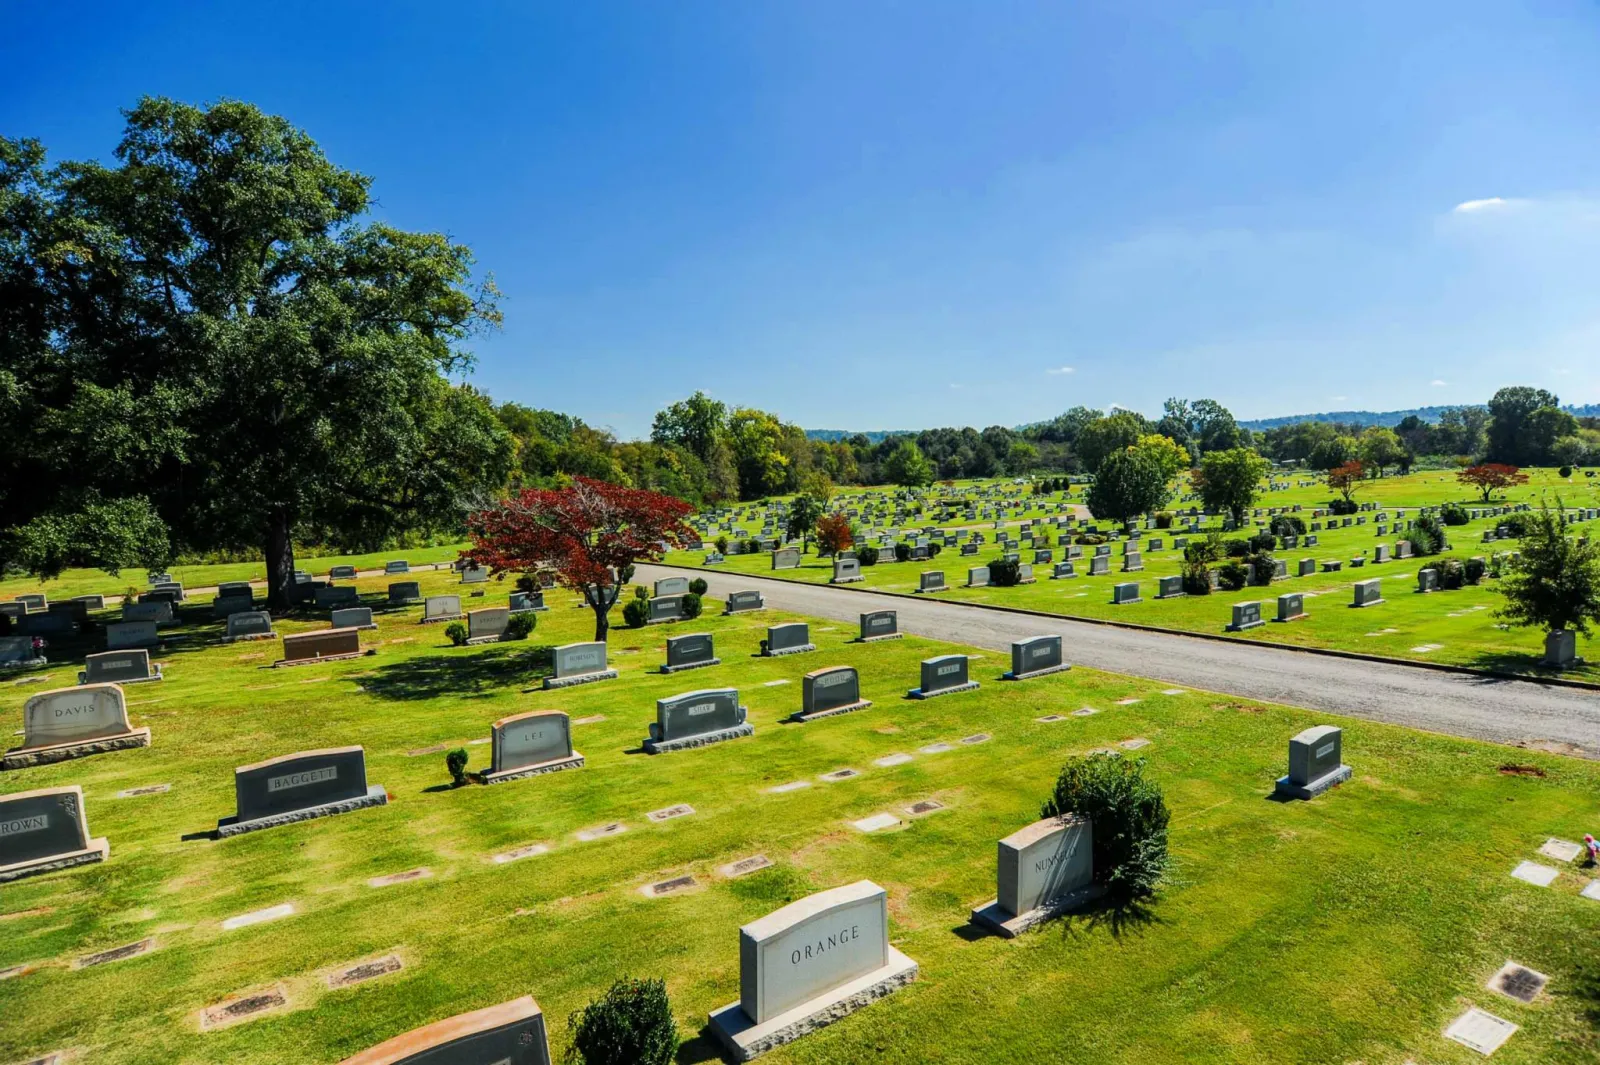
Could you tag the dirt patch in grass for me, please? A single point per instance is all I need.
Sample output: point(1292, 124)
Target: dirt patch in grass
point(1511, 769)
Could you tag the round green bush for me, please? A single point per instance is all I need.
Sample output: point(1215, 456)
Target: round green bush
point(1005, 572)
point(457, 633)
point(1288, 525)
point(1231, 576)
point(1454, 514)
point(722, 545)
point(631, 1024)
point(636, 613)
point(519, 625)
point(1341, 506)
point(934, 547)
point(1427, 536)
point(867, 556)
point(1565, 471)
point(456, 763)
point(1475, 570)
point(1129, 817)
point(698, 586)
point(527, 583)
point(1263, 568)
point(1236, 548)
point(1164, 519)
point(692, 605)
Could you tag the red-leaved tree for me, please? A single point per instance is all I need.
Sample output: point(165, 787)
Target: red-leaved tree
point(1347, 478)
point(1492, 477)
point(833, 533)
point(590, 535)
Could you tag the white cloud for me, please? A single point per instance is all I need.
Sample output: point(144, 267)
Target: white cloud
point(1436, 383)
point(1062, 370)
point(1472, 206)
point(955, 385)
point(1338, 399)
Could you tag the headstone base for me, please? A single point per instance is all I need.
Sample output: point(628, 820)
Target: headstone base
point(992, 918)
point(555, 765)
point(443, 617)
point(1173, 595)
point(918, 693)
point(1045, 672)
point(27, 663)
point(800, 716)
point(402, 602)
point(1316, 787)
point(743, 610)
point(703, 740)
point(155, 671)
point(744, 1039)
point(1294, 617)
point(476, 640)
point(247, 639)
point(230, 826)
point(23, 757)
point(98, 850)
point(551, 683)
point(284, 663)
point(1125, 602)
point(665, 621)
point(373, 627)
point(844, 580)
point(930, 591)
point(880, 639)
point(802, 649)
point(692, 665)
point(1028, 580)
point(1369, 602)
point(1246, 626)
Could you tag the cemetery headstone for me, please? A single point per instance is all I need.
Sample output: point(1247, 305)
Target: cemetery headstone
point(1291, 607)
point(880, 625)
point(1368, 593)
point(579, 663)
point(809, 964)
point(328, 598)
point(487, 625)
point(328, 645)
point(17, 654)
point(119, 667)
point(438, 608)
point(1036, 656)
point(249, 625)
point(1169, 587)
point(404, 593)
point(693, 651)
point(739, 602)
point(122, 634)
point(786, 558)
point(525, 745)
point(1316, 763)
point(1246, 616)
point(69, 723)
point(697, 718)
point(1044, 870)
point(300, 787)
point(672, 586)
point(792, 638)
point(44, 830)
point(1123, 594)
point(846, 569)
point(512, 1033)
point(829, 691)
point(353, 617)
point(943, 675)
point(342, 573)
point(474, 574)
point(978, 577)
point(397, 566)
point(666, 608)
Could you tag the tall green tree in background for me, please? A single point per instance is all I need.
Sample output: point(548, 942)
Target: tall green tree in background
point(1230, 480)
point(260, 359)
point(907, 466)
point(1102, 437)
point(1524, 423)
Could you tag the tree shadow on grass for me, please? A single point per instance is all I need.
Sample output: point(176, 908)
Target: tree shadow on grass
point(1520, 662)
point(1118, 916)
point(431, 676)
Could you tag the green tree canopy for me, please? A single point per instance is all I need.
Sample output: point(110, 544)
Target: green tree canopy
point(1556, 583)
point(1130, 483)
point(1229, 480)
point(907, 466)
point(1117, 431)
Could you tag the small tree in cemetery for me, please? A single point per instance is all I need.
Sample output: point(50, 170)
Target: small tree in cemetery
point(833, 534)
point(1130, 482)
point(1555, 585)
point(1130, 821)
point(456, 763)
point(1346, 480)
point(590, 534)
point(803, 515)
point(631, 1024)
point(1229, 480)
point(1492, 477)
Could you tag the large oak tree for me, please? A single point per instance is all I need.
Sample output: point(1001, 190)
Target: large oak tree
point(212, 341)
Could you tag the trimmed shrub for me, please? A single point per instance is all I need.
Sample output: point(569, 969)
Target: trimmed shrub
point(1236, 548)
point(1263, 542)
point(456, 763)
point(1004, 572)
point(1475, 570)
point(1231, 577)
point(692, 605)
point(1090, 538)
point(934, 547)
point(1452, 574)
point(631, 1024)
point(1130, 822)
point(902, 552)
point(1515, 525)
point(518, 626)
point(698, 586)
point(867, 556)
point(457, 633)
point(1164, 519)
point(1262, 568)
point(641, 592)
point(1196, 578)
point(636, 613)
point(1565, 471)
point(752, 546)
point(722, 545)
point(1454, 514)
point(1427, 536)
point(1343, 506)
point(1288, 525)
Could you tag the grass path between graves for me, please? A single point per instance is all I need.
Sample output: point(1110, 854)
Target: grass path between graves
point(1355, 927)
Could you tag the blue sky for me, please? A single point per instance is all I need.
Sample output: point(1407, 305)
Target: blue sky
point(887, 215)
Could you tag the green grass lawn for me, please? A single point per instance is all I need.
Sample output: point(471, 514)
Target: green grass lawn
point(1351, 928)
point(1458, 627)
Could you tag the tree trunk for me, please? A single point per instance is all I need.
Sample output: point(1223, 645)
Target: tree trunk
point(280, 561)
point(602, 624)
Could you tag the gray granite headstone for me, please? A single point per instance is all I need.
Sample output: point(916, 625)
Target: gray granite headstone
point(697, 718)
point(672, 586)
point(538, 739)
point(1316, 762)
point(833, 690)
point(403, 592)
point(879, 624)
point(353, 617)
point(1246, 615)
point(792, 637)
point(1036, 656)
point(942, 675)
point(249, 623)
point(297, 787)
point(118, 667)
point(43, 830)
point(512, 1033)
point(691, 651)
